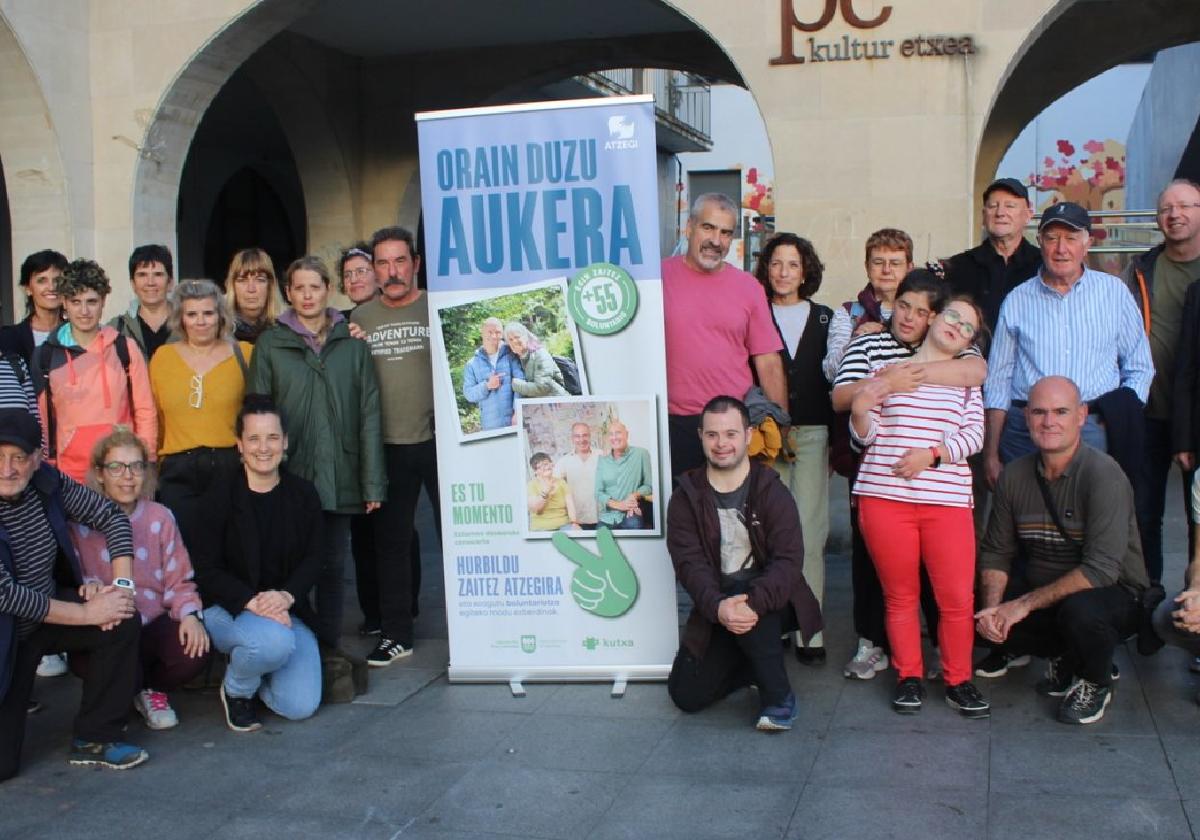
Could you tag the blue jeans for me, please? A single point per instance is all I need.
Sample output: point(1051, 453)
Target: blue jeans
point(629, 523)
point(280, 664)
point(1015, 440)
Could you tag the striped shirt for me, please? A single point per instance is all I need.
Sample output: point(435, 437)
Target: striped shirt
point(869, 353)
point(933, 415)
point(16, 385)
point(34, 549)
point(841, 333)
point(1092, 335)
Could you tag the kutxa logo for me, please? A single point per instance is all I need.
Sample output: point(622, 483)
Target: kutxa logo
point(788, 23)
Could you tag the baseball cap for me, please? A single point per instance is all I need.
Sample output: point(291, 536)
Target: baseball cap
point(20, 428)
point(1066, 213)
point(1011, 185)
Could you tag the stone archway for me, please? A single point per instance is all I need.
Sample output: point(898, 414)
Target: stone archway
point(37, 211)
point(1072, 43)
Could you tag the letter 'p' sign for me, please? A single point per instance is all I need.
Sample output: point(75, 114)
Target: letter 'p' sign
point(789, 22)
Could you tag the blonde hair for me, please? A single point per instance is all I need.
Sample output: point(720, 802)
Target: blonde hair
point(200, 290)
point(120, 436)
point(253, 259)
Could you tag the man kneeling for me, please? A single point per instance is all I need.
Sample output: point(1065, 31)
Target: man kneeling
point(40, 608)
point(734, 537)
point(1068, 508)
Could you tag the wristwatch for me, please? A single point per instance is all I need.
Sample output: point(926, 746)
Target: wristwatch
point(937, 458)
point(124, 583)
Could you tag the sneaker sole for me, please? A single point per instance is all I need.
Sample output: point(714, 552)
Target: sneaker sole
point(375, 664)
point(877, 668)
point(95, 761)
point(225, 705)
point(765, 724)
point(969, 713)
point(1091, 718)
point(905, 709)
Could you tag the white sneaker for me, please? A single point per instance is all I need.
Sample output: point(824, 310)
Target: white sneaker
point(867, 662)
point(52, 665)
point(154, 707)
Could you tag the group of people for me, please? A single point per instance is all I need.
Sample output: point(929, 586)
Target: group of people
point(510, 362)
point(1007, 420)
point(146, 512)
point(587, 489)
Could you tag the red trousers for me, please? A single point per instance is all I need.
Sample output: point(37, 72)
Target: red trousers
point(902, 535)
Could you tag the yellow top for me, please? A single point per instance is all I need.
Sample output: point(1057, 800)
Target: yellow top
point(196, 410)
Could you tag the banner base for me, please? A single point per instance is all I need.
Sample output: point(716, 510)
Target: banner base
point(598, 674)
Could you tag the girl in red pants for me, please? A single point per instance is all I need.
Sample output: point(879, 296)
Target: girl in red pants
point(914, 496)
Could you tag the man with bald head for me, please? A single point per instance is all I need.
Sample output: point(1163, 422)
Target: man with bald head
point(1068, 509)
point(623, 481)
point(578, 469)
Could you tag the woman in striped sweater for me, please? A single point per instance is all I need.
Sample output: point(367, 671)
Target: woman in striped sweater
point(914, 496)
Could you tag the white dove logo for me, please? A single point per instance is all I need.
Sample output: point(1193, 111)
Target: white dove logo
point(620, 133)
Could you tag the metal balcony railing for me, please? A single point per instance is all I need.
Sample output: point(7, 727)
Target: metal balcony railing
point(681, 100)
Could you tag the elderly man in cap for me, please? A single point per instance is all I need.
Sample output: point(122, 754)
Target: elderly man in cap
point(1005, 259)
point(1068, 320)
point(44, 605)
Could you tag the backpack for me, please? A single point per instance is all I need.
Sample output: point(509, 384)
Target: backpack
point(570, 375)
point(44, 357)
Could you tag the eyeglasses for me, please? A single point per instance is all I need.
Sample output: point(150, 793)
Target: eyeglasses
point(197, 396)
point(356, 272)
point(243, 276)
point(115, 469)
point(879, 262)
point(1168, 209)
point(954, 319)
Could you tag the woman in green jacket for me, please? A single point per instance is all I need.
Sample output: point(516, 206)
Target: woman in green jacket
point(542, 376)
point(324, 382)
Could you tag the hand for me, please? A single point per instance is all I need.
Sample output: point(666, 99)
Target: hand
point(192, 636)
point(493, 382)
point(88, 591)
point(992, 468)
point(912, 462)
point(1002, 619)
point(1187, 617)
point(868, 327)
point(109, 607)
point(903, 377)
point(357, 332)
point(272, 604)
point(1186, 460)
point(603, 584)
point(987, 627)
point(870, 393)
point(373, 506)
point(735, 615)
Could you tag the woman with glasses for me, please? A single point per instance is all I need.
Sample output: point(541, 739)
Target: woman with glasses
point(324, 381)
point(198, 381)
point(250, 291)
point(174, 645)
point(914, 496)
point(256, 561)
point(357, 275)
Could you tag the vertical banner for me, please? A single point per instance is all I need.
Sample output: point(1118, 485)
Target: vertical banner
point(545, 295)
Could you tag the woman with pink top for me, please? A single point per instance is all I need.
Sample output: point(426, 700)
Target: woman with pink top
point(914, 496)
point(174, 645)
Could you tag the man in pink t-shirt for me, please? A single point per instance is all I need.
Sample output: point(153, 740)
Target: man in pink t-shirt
point(718, 324)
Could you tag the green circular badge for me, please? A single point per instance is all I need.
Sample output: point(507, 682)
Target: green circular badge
point(602, 299)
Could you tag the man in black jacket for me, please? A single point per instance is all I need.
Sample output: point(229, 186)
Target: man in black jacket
point(1005, 259)
point(1161, 281)
point(734, 537)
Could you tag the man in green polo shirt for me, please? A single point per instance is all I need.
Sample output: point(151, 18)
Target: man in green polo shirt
point(623, 481)
point(1068, 508)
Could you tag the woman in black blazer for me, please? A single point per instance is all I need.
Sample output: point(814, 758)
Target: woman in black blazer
point(256, 561)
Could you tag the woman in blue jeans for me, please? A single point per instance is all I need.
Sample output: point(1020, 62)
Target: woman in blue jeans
point(256, 562)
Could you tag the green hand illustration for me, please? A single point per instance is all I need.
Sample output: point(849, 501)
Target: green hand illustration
point(604, 584)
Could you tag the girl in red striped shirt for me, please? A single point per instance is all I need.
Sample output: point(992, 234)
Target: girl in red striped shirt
point(914, 489)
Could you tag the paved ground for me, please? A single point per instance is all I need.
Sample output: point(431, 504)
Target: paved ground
point(419, 758)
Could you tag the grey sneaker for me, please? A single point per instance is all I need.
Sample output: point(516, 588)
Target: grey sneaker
point(868, 661)
point(1084, 703)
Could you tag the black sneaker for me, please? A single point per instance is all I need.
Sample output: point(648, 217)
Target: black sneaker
point(997, 663)
point(909, 693)
point(240, 713)
point(1084, 703)
point(1057, 681)
point(114, 755)
point(966, 698)
point(1116, 672)
point(387, 652)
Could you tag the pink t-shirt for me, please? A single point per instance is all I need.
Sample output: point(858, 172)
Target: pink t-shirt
point(715, 323)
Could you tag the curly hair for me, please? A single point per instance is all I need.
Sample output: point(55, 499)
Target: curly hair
point(82, 276)
point(811, 264)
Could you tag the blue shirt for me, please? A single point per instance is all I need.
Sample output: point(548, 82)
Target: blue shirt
point(1092, 335)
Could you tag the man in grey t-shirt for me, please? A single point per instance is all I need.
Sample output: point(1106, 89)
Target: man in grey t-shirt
point(579, 471)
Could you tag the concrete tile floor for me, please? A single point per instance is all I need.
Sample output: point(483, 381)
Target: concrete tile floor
point(419, 758)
